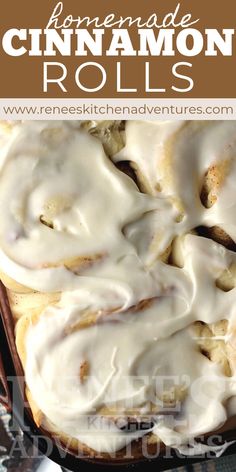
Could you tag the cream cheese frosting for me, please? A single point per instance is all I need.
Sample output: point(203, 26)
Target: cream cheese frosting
point(135, 352)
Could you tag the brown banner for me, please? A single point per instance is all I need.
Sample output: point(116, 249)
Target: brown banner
point(162, 76)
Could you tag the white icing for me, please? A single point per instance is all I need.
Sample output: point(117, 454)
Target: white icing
point(131, 353)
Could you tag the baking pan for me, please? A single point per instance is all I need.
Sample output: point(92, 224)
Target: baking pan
point(11, 369)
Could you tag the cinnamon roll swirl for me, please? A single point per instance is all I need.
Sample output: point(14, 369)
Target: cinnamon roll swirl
point(121, 278)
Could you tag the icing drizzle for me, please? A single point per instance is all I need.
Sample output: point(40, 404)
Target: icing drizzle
point(72, 222)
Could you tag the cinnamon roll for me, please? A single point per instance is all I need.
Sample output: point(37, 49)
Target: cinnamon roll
point(121, 278)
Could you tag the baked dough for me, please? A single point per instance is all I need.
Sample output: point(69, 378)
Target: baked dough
point(117, 251)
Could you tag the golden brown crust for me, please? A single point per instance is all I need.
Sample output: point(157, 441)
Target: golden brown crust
point(11, 284)
point(109, 132)
point(213, 182)
point(31, 302)
point(76, 264)
point(213, 344)
point(84, 371)
point(220, 236)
